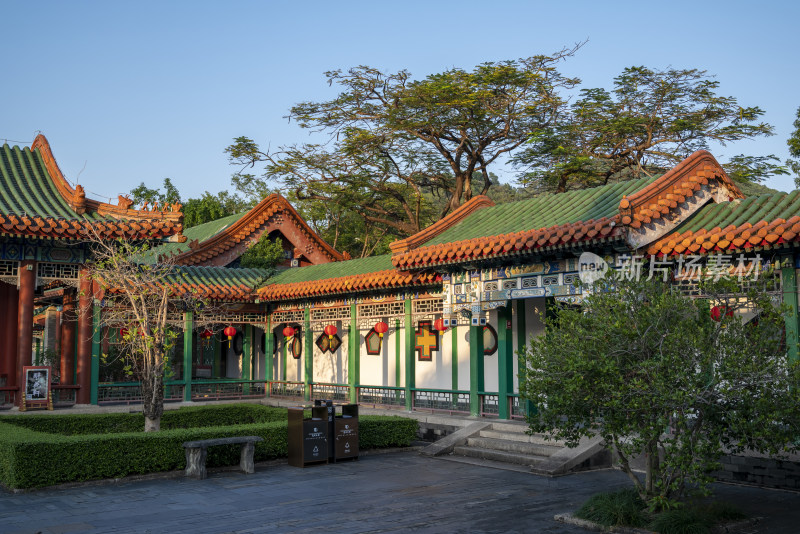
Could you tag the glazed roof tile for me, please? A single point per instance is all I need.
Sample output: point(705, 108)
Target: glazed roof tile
point(37, 201)
point(754, 223)
point(211, 240)
point(544, 223)
point(363, 274)
point(218, 283)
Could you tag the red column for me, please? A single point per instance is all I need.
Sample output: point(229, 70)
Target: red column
point(68, 337)
point(9, 300)
point(84, 338)
point(27, 286)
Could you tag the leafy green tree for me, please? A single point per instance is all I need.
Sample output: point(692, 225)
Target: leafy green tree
point(212, 207)
point(650, 371)
point(392, 141)
point(794, 150)
point(266, 253)
point(753, 169)
point(143, 194)
point(650, 121)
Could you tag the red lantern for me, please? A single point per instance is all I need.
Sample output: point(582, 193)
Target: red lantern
point(331, 331)
point(438, 324)
point(381, 328)
point(205, 334)
point(230, 332)
point(288, 332)
point(123, 332)
point(718, 311)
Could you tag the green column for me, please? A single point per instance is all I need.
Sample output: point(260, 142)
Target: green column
point(398, 357)
point(216, 346)
point(353, 354)
point(522, 341)
point(188, 352)
point(476, 368)
point(454, 337)
point(97, 329)
point(269, 355)
point(308, 375)
point(789, 284)
point(505, 361)
point(410, 364)
point(247, 357)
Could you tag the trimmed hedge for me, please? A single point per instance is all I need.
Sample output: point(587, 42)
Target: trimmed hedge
point(34, 458)
point(115, 423)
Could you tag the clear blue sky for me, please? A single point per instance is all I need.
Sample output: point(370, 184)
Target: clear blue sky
point(137, 91)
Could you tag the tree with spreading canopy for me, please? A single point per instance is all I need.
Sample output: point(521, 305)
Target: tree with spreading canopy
point(649, 122)
point(794, 150)
point(391, 140)
point(675, 380)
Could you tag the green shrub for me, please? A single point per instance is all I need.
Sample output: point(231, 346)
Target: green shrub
point(43, 450)
point(623, 507)
point(114, 423)
point(694, 518)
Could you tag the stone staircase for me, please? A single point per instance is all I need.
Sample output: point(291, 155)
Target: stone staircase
point(506, 445)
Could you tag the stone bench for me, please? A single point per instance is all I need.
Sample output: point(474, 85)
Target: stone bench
point(196, 454)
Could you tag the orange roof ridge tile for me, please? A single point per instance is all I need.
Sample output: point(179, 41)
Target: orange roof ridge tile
point(664, 193)
point(249, 224)
point(463, 211)
point(76, 197)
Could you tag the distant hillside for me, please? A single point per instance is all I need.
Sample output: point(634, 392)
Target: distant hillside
point(751, 189)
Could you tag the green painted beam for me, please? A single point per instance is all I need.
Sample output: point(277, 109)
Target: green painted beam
point(188, 350)
point(398, 357)
point(522, 342)
point(789, 284)
point(505, 359)
point(308, 374)
point(97, 329)
point(476, 369)
point(409, 356)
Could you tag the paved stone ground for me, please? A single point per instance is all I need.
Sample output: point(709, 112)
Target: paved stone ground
point(397, 492)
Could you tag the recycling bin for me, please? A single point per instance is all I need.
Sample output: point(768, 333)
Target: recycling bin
point(308, 437)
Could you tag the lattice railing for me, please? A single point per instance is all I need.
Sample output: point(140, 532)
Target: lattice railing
point(385, 396)
point(336, 392)
point(490, 404)
point(228, 390)
point(441, 401)
point(289, 390)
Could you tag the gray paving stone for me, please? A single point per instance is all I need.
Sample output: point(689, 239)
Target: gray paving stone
point(400, 492)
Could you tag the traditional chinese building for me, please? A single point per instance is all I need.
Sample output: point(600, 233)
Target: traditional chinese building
point(435, 325)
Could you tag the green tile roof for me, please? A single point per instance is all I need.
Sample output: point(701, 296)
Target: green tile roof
point(217, 276)
point(749, 210)
point(542, 211)
point(335, 269)
point(27, 189)
point(201, 233)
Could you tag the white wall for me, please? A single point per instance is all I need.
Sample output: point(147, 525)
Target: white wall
point(437, 373)
point(331, 368)
point(379, 370)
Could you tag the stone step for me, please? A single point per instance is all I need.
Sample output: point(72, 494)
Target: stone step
point(520, 437)
point(505, 466)
point(517, 447)
point(499, 456)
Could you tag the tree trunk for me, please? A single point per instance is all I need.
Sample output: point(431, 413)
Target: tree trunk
point(152, 424)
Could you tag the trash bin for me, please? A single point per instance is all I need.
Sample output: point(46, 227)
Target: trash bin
point(330, 414)
point(308, 437)
point(346, 433)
